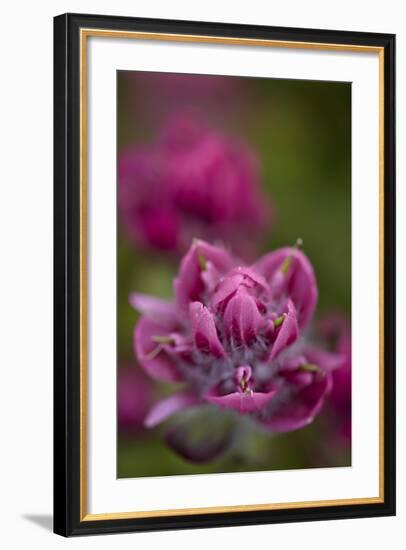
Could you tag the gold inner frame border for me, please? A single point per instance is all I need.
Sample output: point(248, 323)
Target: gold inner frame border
point(173, 37)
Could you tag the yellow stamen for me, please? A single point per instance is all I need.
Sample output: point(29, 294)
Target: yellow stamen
point(310, 368)
point(279, 320)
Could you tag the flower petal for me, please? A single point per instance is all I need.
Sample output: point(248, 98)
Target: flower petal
point(293, 363)
point(204, 330)
point(251, 277)
point(289, 271)
point(240, 276)
point(189, 285)
point(159, 310)
point(151, 354)
point(242, 402)
point(327, 361)
point(242, 319)
point(301, 407)
point(288, 332)
point(226, 288)
point(169, 406)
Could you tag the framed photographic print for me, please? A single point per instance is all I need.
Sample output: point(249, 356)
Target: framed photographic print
point(224, 274)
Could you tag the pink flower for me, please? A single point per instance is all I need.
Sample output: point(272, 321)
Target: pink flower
point(234, 336)
point(336, 329)
point(191, 181)
point(134, 396)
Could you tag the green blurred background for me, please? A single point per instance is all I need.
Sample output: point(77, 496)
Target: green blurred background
point(301, 131)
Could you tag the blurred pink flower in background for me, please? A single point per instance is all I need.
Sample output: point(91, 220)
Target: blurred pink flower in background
point(234, 336)
point(336, 329)
point(192, 182)
point(134, 397)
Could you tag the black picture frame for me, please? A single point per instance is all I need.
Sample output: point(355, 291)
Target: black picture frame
point(67, 381)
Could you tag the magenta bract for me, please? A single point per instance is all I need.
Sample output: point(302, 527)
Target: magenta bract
point(234, 337)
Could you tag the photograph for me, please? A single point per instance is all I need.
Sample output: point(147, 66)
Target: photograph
point(233, 304)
